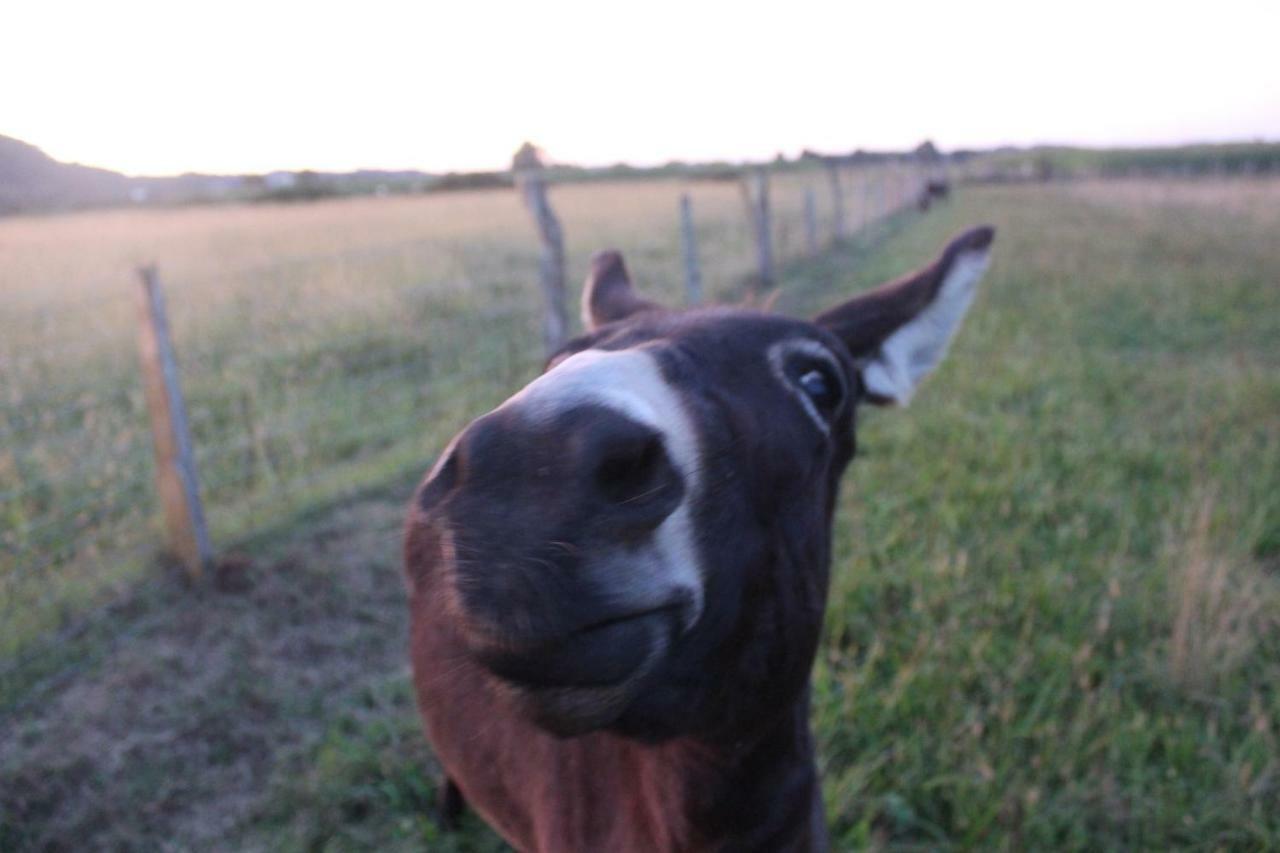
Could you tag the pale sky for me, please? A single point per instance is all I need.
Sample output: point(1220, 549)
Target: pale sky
point(166, 87)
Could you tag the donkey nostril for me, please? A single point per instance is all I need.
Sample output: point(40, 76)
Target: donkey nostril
point(630, 470)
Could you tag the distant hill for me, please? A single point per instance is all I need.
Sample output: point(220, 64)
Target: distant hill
point(32, 180)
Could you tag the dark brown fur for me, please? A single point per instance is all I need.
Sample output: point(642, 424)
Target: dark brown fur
point(715, 752)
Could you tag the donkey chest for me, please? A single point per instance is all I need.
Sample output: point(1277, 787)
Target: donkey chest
point(547, 795)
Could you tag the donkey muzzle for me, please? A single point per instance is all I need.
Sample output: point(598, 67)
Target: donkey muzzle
point(559, 558)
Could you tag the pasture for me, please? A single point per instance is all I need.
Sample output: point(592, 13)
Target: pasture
point(1055, 612)
point(322, 347)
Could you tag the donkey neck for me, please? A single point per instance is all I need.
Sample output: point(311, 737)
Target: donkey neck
point(753, 789)
point(759, 792)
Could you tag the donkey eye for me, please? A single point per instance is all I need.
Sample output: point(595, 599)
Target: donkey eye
point(819, 384)
point(814, 376)
point(816, 386)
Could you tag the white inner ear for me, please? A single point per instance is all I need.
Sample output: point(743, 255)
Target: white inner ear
point(909, 354)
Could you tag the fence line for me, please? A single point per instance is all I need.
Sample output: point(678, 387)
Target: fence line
point(268, 420)
point(532, 184)
point(755, 193)
point(689, 253)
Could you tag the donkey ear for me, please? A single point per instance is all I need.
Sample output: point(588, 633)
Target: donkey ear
point(608, 295)
point(900, 331)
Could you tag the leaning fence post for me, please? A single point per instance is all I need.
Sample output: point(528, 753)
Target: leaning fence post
point(532, 184)
point(176, 479)
point(755, 192)
point(689, 250)
point(810, 221)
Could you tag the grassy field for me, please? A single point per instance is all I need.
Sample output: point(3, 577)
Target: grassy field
point(323, 347)
point(1055, 615)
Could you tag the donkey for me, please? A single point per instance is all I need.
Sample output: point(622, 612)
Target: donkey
point(935, 188)
point(617, 578)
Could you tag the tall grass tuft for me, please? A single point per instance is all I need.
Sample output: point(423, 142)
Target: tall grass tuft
point(1222, 606)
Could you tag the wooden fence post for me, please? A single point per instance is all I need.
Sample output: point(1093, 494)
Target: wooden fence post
point(810, 221)
point(867, 215)
point(689, 250)
point(837, 200)
point(755, 192)
point(532, 185)
point(176, 479)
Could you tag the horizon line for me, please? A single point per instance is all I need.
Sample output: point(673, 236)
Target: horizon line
point(661, 162)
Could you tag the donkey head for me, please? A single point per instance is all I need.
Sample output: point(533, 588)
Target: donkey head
point(639, 539)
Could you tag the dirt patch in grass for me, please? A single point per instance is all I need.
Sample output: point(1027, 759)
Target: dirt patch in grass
point(173, 738)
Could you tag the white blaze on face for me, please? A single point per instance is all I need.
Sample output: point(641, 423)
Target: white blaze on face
point(630, 382)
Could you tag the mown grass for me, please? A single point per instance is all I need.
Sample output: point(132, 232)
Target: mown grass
point(1053, 623)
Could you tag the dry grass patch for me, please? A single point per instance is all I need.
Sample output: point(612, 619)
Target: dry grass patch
point(173, 741)
point(1255, 198)
point(1222, 606)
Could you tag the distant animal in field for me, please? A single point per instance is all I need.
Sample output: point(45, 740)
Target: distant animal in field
point(933, 190)
point(617, 578)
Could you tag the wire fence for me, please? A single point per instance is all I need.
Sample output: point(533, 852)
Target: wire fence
point(310, 375)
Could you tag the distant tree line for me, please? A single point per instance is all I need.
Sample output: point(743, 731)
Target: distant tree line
point(31, 181)
point(1056, 162)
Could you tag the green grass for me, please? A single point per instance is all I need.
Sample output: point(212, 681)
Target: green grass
point(1014, 550)
point(1018, 652)
point(369, 784)
point(322, 348)
point(1055, 613)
